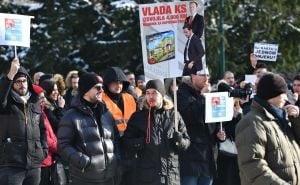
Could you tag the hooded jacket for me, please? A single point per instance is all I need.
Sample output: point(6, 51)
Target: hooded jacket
point(21, 146)
point(120, 105)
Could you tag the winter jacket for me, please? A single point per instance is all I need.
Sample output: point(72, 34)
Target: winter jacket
point(268, 154)
point(23, 141)
point(54, 114)
point(157, 161)
point(87, 145)
point(51, 141)
point(121, 118)
point(201, 157)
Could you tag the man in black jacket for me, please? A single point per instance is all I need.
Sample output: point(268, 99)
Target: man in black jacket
point(198, 162)
point(23, 143)
point(87, 134)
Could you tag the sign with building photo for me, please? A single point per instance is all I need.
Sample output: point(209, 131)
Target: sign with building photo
point(162, 37)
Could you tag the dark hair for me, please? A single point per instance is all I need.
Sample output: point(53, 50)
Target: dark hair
point(187, 25)
point(260, 65)
point(297, 77)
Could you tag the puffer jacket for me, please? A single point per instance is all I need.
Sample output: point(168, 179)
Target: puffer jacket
point(267, 154)
point(200, 159)
point(23, 141)
point(157, 161)
point(89, 147)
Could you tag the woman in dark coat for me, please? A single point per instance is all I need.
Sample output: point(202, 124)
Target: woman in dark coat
point(54, 106)
point(152, 135)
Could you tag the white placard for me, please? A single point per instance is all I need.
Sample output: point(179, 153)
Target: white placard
point(15, 30)
point(265, 51)
point(251, 79)
point(162, 38)
point(218, 107)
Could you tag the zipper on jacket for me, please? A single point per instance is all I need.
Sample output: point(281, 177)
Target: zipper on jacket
point(100, 129)
point(25, 110)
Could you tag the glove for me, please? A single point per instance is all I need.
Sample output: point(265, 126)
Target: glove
point(177, 137)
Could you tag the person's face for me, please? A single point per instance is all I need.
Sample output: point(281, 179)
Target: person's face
point(36, 78)
point(141, 84)
point(154, 98)
point(193, 8)
point(42, 98)
point(199, 81)
point(229, 78)
point(187, 32)
point(54, 94)
point(296, 86)
point(20, 85)
point(131, 79)
point(94, 95)
point(260, 70)
point(74, 82)
point(278, 101)
point(115, 87)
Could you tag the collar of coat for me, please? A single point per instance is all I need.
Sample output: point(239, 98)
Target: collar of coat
point(272, 113)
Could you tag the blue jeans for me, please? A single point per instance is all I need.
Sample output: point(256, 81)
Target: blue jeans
point(193, 180)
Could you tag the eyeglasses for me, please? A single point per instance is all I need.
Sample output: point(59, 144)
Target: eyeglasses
point(203, 75)
point(19, 82)
point(98, 87)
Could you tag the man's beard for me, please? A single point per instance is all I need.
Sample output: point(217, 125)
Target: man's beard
point(22, 92)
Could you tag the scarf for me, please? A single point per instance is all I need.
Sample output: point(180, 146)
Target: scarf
point(20, 99)
point(277, 112)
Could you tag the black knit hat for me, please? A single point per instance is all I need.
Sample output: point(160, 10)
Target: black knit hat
point(270, 86)
point(156, 84)
point(86, 82)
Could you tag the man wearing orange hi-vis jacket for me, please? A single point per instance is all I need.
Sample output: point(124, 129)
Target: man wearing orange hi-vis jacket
point(120, 103)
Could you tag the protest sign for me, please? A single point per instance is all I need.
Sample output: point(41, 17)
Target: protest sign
point(15, 30)
point(162, 38)
point(218, 107)
point(265, 51)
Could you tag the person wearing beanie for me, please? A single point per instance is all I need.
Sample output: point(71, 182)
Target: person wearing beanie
point(140, 86)
point(199, 162)
point(87, 136)
point(54, 103)
point(152, 137)
point(267, 137)
point(23, 143)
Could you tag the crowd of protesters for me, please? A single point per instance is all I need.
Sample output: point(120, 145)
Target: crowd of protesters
point(116, 129)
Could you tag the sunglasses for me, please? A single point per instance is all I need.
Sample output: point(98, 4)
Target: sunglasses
point(98, 87)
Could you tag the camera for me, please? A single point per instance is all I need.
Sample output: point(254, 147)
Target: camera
point(241, 92)
point(236, 92)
